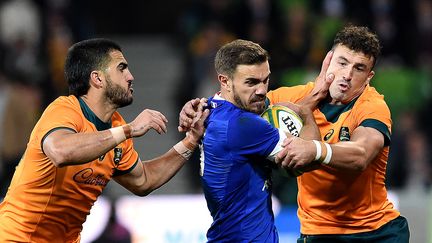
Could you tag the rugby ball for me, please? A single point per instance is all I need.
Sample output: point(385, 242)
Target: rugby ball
point(287, 120)
point(283, 118)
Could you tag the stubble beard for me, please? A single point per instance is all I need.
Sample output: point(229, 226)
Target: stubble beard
point(244, 106)
point(117, 94)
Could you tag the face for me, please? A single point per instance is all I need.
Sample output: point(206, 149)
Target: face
point(248, 87)
point(353, 72)
point(118, 81)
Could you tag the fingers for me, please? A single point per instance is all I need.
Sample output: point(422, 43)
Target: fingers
point(324, 68)
point(158, 122)
point(329, 79)
point(199, 107)
point(149, 119)
point(198, 130)
point(190, 113)
point(184, 121)
point(326, 63)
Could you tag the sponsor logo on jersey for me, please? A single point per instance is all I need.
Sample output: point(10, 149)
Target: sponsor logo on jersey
point(87, 176)
point(329, 135)
point(344, 134)
point(118, 153)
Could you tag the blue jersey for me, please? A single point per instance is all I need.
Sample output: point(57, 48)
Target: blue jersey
point(236, 176)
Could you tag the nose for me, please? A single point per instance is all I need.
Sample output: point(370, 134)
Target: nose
point(261, 90)
point(130, 77)
point(348, 74)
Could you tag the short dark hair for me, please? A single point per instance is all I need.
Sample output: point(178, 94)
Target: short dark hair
point(83, 58)
point(359, 39)
point(238, 52)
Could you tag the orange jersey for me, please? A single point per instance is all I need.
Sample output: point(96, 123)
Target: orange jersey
point(337, 202)
point(46, 203)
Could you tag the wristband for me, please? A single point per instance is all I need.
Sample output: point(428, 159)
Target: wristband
point(184, 148)
point(318, 149)
point(327, 158)
point(127, 129)
point(118, 134)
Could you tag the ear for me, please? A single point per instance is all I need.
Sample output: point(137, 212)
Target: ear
point(224, 82)
point(95, 79)
point(370, 76)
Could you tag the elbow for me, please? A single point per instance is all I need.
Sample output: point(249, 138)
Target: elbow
point(58, 156)
point(59, 160)
point(142, 192)
point(361, 162)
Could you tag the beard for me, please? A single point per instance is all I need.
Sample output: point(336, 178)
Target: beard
point(251, 106)
point(117, 94)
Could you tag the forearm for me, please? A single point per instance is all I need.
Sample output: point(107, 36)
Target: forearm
point(311, 100)
point(160, 170)
point(348, 156)
point(310, 129)
point(355, 155)
point(78, 148)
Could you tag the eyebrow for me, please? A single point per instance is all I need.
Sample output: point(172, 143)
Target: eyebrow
point(355, 64)
point(256, 80)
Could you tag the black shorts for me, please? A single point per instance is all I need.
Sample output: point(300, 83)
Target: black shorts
point(395, 231)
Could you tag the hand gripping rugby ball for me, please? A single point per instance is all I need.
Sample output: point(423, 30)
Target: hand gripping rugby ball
point(284, 118)
point(287, 120)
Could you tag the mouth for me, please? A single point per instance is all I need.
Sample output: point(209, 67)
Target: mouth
point(130, 87)
point(343, 86)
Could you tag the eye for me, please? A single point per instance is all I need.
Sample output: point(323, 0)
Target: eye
point(343, 64)
point(360, 69)
point(122, 67)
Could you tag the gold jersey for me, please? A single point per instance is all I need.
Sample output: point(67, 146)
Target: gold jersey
point(338, 202)
point(46, 203)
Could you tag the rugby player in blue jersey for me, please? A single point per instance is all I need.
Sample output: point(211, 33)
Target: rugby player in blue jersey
point(238, 146)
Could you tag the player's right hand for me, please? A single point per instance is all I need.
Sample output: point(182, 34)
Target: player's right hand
point(324, 79)
point(191, 113)
point(146, 120)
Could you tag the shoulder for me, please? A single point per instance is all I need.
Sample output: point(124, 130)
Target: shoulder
point(292, 94)
point(65, 102)
point(373, 102)
point(249, 125)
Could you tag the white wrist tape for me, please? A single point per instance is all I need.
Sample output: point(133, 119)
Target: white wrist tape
point(184, 151)
point(118, 134)
point(328, 157)
point(318, 149)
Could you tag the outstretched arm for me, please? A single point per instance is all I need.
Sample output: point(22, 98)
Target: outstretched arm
point(354, 155)
point(66, 147)
point(149, 175)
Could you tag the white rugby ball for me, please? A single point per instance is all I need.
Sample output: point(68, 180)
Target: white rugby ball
point(283, 118)
point(287, 120)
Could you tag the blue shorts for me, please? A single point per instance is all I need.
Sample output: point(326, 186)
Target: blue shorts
point(395, 231)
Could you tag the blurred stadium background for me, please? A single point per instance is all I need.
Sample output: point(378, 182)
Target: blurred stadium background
point(170, 47)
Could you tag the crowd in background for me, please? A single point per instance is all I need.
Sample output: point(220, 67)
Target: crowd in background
point(35, 36)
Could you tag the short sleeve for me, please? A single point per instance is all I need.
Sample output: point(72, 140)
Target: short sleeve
point(375, 113)
point(249, 134)
point(61, 114)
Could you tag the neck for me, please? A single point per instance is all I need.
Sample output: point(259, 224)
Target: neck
point(100, 107)
point(226, 95)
